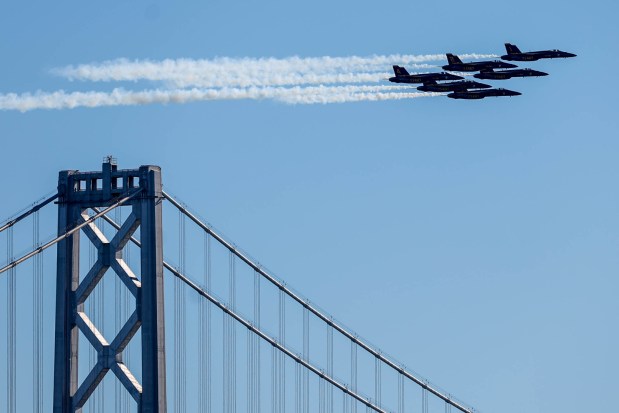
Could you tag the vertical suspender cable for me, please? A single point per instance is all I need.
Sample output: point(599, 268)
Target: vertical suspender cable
point(177, 335)
point(274, 400)
point(250, 371)
point(353, 374)
point(321, 395)
point(226, 365)
point(10, 327)
point(377, 380)
point(256, 347)
point(297, 392)
point(183, 320)
point(281, 356)
point(205, 343)
point(400, 393)
point(208, 327)
point(232, 336)
point(37, 298)
point(179, 322)
point(329, 367)
point(306, 358)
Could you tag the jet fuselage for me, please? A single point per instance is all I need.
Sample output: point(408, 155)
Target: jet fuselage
point(476, 66)
point(452, 86)
point(533, 56)
point(480, 94)
point(424, 77)
point(508, 74)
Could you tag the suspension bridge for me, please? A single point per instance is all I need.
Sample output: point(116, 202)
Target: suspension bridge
point(86, 316)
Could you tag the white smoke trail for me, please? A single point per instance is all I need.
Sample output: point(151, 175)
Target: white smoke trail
point(120, 97)
point(245, 72)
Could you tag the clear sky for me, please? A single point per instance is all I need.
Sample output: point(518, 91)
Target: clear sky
point(477, 241)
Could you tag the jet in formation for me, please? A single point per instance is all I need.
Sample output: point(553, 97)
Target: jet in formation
point(402, 76)
point(433, 86)
point(490, 74)
point(470, 89)
point(480, 94)
point(455, 64)
point(514, 54)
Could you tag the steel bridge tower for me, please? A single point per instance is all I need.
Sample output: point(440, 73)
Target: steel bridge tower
point(79, 192)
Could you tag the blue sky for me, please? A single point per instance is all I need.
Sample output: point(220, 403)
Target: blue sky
point(483, 233)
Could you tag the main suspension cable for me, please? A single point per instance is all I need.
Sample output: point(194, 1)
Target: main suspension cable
point(16, 262)
point(342, 330)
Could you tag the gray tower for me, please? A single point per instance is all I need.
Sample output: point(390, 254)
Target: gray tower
point(77, 193)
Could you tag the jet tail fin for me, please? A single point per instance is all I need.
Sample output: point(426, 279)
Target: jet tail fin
point(400, 71)
point(511, 49)
point(453, 59)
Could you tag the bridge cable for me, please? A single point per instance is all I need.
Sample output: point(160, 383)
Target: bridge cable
point(353, 373)
point(306, 341)
point(400, 393)
point(271, 341)
point(233, 332)
point(377, 380)
point(179, 324)
point(255, 366)
point(281, 357)
point(339, 328)
point(37, 298)
point(35, 208)
point(10, 372)
point(16, 262)
point(329, 389)
point(205, 335)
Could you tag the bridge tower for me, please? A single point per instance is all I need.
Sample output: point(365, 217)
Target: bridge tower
point(77, 193)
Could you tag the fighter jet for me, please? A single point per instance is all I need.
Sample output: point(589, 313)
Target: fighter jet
point(456, 64)
point(480, 94)
point(507, 74)
point(402, 76)
point(513, 53)
point(462, 86)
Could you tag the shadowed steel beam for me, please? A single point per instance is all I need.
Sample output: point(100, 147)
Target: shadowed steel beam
point(107, 189)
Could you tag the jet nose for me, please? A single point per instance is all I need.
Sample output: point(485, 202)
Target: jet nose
point(542, 74)
point(516, 93)
point(571, 55)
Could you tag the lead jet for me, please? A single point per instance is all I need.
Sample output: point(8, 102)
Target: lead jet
point(402, 76)
point(490, 74)
point(455, 64)
point(513, 53)
point(480, 94)
point(462, 86)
